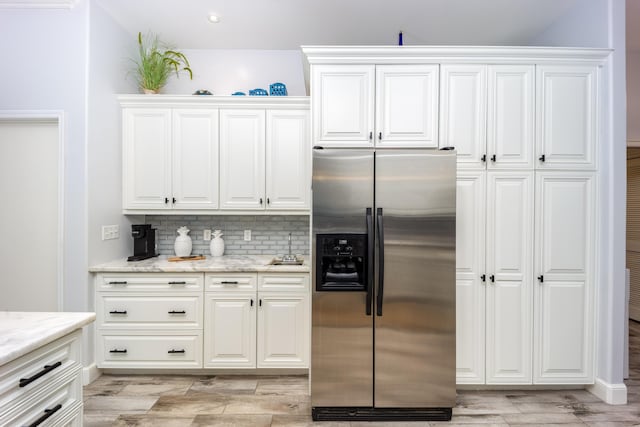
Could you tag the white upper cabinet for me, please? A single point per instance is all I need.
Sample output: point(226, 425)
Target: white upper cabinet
point(510, 141)
point(288, 169)
point(563, 294)
point(195, 159)
point(463, 112)
point(407, 105)
point(342, 102)
point(147, 158)
point(242, 144)
point(566, 116)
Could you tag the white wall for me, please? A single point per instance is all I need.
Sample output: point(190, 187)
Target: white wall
point(633, 96)
point(224, 71)
point(601, 23)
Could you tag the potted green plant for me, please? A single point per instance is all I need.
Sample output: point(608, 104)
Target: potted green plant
point(157, 62)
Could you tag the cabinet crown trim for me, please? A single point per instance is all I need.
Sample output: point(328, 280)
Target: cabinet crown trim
point(208, 102)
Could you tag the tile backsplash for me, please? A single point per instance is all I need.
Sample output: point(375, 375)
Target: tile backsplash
point(269, 233)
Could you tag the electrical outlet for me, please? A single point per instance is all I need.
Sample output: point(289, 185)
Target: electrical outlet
point(247, 235)
point(206, 235)
point(110, 232)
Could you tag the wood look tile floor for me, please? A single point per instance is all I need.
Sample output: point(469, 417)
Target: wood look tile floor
point(225, 400)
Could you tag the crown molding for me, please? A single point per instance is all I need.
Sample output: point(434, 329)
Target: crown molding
point(37, 4)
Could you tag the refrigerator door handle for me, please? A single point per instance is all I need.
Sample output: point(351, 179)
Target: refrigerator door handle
point(380, 229)
point(369, 259)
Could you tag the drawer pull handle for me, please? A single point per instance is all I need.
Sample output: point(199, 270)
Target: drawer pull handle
point(45, 371)
point(229, 282)
point(177, 312)
point(115, 350)
point(118, 312)
point(178, 283)
point(172, 351)
point(47, 414)
point(118, 282)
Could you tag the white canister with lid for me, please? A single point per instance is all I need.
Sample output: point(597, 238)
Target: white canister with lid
point(217, 244)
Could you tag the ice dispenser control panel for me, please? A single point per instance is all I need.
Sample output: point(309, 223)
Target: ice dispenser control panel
point(341, 262)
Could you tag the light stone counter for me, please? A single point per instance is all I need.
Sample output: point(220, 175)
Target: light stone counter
point(228, 263)
point(22, 332)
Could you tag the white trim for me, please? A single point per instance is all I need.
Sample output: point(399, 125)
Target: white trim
point(613, 394)
point(57, 116)
point(633, 143)
point(37, 4)
point(90, 374)
point(205, 101)
point(263, 212)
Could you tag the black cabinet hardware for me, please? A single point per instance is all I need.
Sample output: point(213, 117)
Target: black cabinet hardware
point(260, 200)
point(123, 282)
point(118, 312)
point(380, 136)
point(483, 277)
point(380, 229)
point(483, 158)
point(492, 278)
point(47, 414)
point(541, 279)
point(493, 158)
point(173, 200)
point(541, 158)
point(268, 201)
point(166, 200)
point(369, 298)
point(172, 351)
point(260, 302)
point(178, 283)
point(251, 302)
point(370, 136)
point(229, 282)
point(177, 312)
point(45, 371)
point(115, 350)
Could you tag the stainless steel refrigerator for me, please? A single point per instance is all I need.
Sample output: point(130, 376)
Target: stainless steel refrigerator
point(383, 311)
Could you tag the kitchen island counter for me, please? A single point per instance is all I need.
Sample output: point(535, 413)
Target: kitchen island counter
point(228, 263)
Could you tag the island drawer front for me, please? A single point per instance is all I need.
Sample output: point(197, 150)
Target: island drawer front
point(57, 399)
point(37, 369)
point(146, 311)
point(150, 282)
point(286, 282)
point(145, 349)
point(231, 282)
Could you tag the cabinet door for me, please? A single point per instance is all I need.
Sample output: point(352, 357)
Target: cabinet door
point(566, 116)
point(563, 294)
point(342, 104)
point(230, 330)
point(195, 159)
point(283, 330)
point(288, 157)
point(242, 159)
point(510, 117)
point(147, 158)
point(463, 112)
point(407, 105)
point(470, 290)
point(509, 270)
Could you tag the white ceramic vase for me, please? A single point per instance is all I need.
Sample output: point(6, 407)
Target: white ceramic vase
point(183, 243)
point(217, 244)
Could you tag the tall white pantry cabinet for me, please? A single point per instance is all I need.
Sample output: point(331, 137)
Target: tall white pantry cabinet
point(524, 123)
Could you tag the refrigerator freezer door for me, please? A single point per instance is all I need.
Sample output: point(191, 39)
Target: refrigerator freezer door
point(342, 335)
point(415, 334)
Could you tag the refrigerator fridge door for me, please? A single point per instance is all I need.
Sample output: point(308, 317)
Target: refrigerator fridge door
point(415, 194)
point(342, 336)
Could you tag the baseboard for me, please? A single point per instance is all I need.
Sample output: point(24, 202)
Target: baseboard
point(90, 374)
point(613, 394)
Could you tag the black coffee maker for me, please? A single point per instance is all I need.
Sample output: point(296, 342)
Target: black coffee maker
point(144, 242)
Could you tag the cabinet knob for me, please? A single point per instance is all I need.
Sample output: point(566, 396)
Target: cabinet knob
point(541, 158)
point(251, 302)
point(492, 278)
point(541, 279)
point(380, 136)
point(493, 158)
point(177, 312)
point(118, 312)
point(483, 158)
point(173, 200)
point(172, 351)
point(115, 350)
point(166, 200)
point(268, 201)
point(260, 200)
point(370, 136)
point(483, 277)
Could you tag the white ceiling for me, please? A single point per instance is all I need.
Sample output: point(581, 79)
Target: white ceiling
point(287, 24)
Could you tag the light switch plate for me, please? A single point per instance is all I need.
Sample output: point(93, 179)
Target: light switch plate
point(247, 235)
point(206, 236)
point(110, 232)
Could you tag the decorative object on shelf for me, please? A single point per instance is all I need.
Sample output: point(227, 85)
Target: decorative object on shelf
point(156, 62)
point(183, 244)
point(238, 94)
point(202, 92)
point(258, 92)
point(277, 89)
point(217, 243)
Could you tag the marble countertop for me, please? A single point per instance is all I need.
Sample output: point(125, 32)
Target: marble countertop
point(22, 332)
point(230, 263)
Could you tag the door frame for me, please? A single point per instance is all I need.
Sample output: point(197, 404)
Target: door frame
point(57, 117)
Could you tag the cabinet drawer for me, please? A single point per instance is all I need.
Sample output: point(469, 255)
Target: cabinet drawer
point(144, 311)
point(143, 282)
point(56, 403)
point(283, 282)
point(28, 374)
point(230, 282)
point(149, 350)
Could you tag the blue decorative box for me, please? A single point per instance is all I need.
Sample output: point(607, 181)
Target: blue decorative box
point(258, 92)
point(277, 89)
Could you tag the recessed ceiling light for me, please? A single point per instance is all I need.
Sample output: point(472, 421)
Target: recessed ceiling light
point(214, 19)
